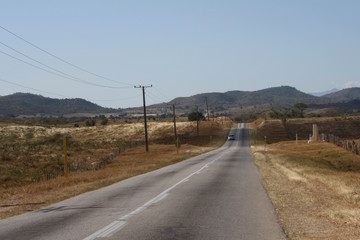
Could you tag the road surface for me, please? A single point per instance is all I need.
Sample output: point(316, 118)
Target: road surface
point(218, 195)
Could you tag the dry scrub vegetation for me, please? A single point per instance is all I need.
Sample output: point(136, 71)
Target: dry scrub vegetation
point(343, 127)
point(31, 158)
point(315, 188)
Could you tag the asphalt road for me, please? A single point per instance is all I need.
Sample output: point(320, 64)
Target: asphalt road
point(218, 195)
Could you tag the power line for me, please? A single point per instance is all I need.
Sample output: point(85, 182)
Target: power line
point(62, 60)
point(45, 65)
point(60, 75)
point(34, 89)
point(154, 97)
point(64, 96)
point(161, 93)
point(113, 100)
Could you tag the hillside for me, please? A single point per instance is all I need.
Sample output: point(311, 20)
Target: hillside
point(29, 104)
point(233, 102)
point(344, 95)
point(352, 106)
point(276, 97)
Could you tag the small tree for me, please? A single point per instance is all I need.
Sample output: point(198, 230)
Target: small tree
point(300, 106)
point(196, 116)
point(90, 122)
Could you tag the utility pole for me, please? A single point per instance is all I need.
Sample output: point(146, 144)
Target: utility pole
point(174, 117)
point(174, 123)
point(197, 120)
point(145, 119)
point(207, 109)
point(65, 156)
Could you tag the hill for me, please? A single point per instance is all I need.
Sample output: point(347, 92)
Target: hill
point(29, 104)
point(233, 102)
point(344, 95)
point(275, 97)
point(352, 106)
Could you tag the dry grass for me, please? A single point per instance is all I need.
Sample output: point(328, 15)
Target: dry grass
point(314, 188)
point(30, 150)
point(343, 127)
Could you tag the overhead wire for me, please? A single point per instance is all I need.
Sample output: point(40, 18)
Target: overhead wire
point(158, 94)
point(31, 88)
point(45, 65)
point(161, 93)
point(119, 99)
point(62, 60)
point(64, 96)
point(154, 97)
point(63, 75)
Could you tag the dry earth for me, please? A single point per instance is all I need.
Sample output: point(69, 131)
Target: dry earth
point(315, 188)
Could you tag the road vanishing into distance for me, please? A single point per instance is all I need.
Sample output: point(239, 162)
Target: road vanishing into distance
point(217, 195)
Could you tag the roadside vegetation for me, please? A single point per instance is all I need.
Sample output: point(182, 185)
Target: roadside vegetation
point(32, 157)
point(345, 127)
point(313, 187)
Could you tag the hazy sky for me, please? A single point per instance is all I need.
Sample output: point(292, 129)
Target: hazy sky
point(181, 47)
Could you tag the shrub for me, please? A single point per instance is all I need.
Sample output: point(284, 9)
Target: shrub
point(104, 121)
point(90, 122)
point(196, 116)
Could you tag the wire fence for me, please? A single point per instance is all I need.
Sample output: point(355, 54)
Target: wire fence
point(349, 145)
point(48, 174)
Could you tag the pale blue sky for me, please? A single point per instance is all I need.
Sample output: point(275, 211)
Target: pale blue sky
point(181, 47)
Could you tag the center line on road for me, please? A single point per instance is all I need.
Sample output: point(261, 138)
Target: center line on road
point(119, 223)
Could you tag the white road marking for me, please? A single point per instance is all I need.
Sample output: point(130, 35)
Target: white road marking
point(119, 223)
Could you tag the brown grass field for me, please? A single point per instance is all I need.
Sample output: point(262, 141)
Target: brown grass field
point(314, 188)
point(343, 127)
point(31, 158)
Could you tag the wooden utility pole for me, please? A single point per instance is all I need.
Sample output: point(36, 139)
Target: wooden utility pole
point(65, 156)
point(145, 119)
point(175, 134)
point(207, 109)
point(176, 138)
point(197, 120)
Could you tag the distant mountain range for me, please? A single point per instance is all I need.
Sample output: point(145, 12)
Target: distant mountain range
point(271, 97)
point(320, 94)
point(240, 102)
point(344, 95)
point(27, 104)
point(252, 101)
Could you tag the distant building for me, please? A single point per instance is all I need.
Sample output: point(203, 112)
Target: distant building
point(142, 115)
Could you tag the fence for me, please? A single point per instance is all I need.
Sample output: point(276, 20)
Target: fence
point(349, 145)
point(86, 166)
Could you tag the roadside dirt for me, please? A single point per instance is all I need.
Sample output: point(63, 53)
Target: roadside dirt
point(315, 188)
